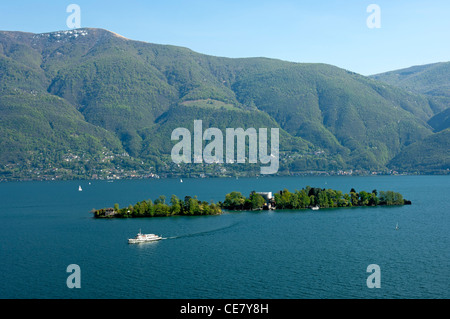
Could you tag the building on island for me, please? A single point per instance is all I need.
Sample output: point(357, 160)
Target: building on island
point(110, 212)
point(268, 197)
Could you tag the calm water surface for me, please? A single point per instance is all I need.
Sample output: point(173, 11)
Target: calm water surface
point(46, 226)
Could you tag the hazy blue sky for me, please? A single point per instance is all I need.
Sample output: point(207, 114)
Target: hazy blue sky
point(331, 31)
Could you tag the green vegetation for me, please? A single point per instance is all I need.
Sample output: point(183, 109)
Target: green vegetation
point(102, 106)
point(440, 121)
point(311, 197)
point(428, 155)
point(236, 201)
point(159, 208)
point(429, 79)
point(305, 198)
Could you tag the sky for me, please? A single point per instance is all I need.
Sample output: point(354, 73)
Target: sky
point(336, 32)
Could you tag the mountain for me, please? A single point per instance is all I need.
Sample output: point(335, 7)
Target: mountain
point(90, 103)
point(428, 155)
point(440, 121)
point(432, 80)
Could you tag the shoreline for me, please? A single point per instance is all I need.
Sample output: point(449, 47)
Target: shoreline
point(197, 176)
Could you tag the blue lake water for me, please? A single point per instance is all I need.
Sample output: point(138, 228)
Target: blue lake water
point(46, 226)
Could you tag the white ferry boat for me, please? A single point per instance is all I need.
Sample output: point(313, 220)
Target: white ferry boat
point(143, 238)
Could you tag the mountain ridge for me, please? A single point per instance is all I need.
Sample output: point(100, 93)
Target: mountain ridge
point(122, 89)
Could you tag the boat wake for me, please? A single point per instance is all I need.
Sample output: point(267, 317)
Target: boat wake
point(203, 233)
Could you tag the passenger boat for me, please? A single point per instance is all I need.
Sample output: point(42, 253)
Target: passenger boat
point(143, 238)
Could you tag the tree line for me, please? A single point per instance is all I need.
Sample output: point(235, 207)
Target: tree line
point(311, 197)
point(299, 199)
point(190, 206)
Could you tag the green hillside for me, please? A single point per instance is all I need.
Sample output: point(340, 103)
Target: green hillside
point(432, 80)
point(440, 121)
point(429, 155)
point(89, 103)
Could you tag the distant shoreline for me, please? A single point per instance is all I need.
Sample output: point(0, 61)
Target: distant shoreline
point(198, 176)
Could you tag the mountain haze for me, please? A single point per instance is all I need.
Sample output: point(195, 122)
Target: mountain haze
point(87, 102)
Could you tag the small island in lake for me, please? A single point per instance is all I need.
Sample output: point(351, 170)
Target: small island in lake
point(311, 197)
point(190, 206)
point(306, 198)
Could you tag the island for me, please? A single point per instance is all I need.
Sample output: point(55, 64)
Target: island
point(312, 198)
point(306, 198)
point(190, 206)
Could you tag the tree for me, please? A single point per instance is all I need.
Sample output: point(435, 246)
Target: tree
point(373, 200)
point(186, 205)
point(150, 208)
point(354, 198)
point(364, 198)
point(322, 200)
point(194, 207)
point(391, 198)
point(398, 199)
point(347, 200)
point(175, 207)
point(285, 200)
point(312, 200)
point(256, 201)
point(303, 198)
point(162, 209)
point(143, 208)
point(234, 201)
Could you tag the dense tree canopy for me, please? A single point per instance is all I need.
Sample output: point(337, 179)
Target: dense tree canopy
point(158, 208)
point(300, 199)
point(312, 196)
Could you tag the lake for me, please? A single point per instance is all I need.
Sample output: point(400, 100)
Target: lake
point(46, 226)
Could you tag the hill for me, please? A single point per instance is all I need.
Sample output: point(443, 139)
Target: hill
point(89, 103)
point(432, 80)
point(430, 155)
point(440, 121)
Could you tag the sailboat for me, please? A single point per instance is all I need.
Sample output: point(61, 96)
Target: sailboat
point(181, 180)
point(79, 188)
point(396, 227)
